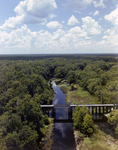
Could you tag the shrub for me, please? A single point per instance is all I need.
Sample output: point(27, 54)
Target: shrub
point(113, 120)
point(82, 120)
point(88, 126)
point(46, 120)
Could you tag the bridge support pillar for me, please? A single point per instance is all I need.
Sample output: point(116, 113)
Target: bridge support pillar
point(92, 110)
point(103, 109)
point(110, 109)
point(99, 109)
point(106, 109)
point(44, 111)
point(116, 106)
point(48, 112)
point(96, 110)
point(53, 113)
point(70, 113)
point(88, 107)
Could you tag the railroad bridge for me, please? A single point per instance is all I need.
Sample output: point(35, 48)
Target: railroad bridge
point(50, 110)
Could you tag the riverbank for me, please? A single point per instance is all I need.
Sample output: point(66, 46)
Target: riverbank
point(100, 140)
point(63, 137)
point(75, 94)
point(103, 138)
point(47, 141)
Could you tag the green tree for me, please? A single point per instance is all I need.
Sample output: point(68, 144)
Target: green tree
point(12, 141)
point(71, 77)
point(113, 120)
point(28, 138)
point(82, 120)
point(88, 126)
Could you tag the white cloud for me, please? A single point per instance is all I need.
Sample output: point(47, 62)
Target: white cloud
point(72, 20)
point(53, 16)
point(111, 35)
point(107, 31)
point(58, 34)
point(78, 31)
point(100, 19)
point(105, 37)
point(113, 17)
point(99, 4)
point(96, 13)
point(19, 38)
point(90, 26)
point(76, 11)
point(111, 39)
point(76, 5)
point(53, 25)
point(74, 40)
point(31, 12)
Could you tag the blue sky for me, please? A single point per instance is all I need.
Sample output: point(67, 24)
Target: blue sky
point(58, 26)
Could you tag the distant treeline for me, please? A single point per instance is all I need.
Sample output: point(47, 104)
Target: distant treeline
point(107, 57)
point(25, 84)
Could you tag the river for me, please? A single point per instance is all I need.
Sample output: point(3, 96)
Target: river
point(63, 138)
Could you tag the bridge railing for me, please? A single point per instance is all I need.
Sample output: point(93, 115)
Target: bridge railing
point(94, 108)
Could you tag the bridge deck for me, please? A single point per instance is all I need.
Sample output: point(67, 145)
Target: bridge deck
point(87, 105)
point(61, 105)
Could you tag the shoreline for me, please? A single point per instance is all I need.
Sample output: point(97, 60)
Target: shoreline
point(100, 139)
point(47, 141)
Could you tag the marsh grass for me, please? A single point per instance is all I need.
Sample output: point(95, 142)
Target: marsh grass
point(98, 141)
point(64, 89)
point(61, 82)
point(76, 96)
point(80, 96)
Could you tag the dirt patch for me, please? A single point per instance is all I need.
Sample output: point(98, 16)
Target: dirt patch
point(78, 140)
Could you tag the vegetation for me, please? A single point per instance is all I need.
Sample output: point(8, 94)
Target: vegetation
point(79, 96)
point(96, 77)
point(25, 84)
point(99, 140)
point(23, 88)
point(82, 120)
point(113, 120)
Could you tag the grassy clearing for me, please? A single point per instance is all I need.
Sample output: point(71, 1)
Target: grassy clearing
point(98, 141)
point(61, 83)
point(79, 96)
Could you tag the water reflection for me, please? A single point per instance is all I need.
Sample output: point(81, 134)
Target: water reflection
point(61, 113)
point(63, 138)
point(55, 101)
point(59, 98)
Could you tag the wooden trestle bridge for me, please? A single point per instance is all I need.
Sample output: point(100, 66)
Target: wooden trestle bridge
point(94, 108)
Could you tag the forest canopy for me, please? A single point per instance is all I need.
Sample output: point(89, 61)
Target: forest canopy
point(25, 84)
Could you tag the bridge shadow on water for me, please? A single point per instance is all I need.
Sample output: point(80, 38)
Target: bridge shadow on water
point(62, 115)
point(63, 121)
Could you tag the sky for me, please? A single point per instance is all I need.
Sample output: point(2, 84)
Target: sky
point(58, 26)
